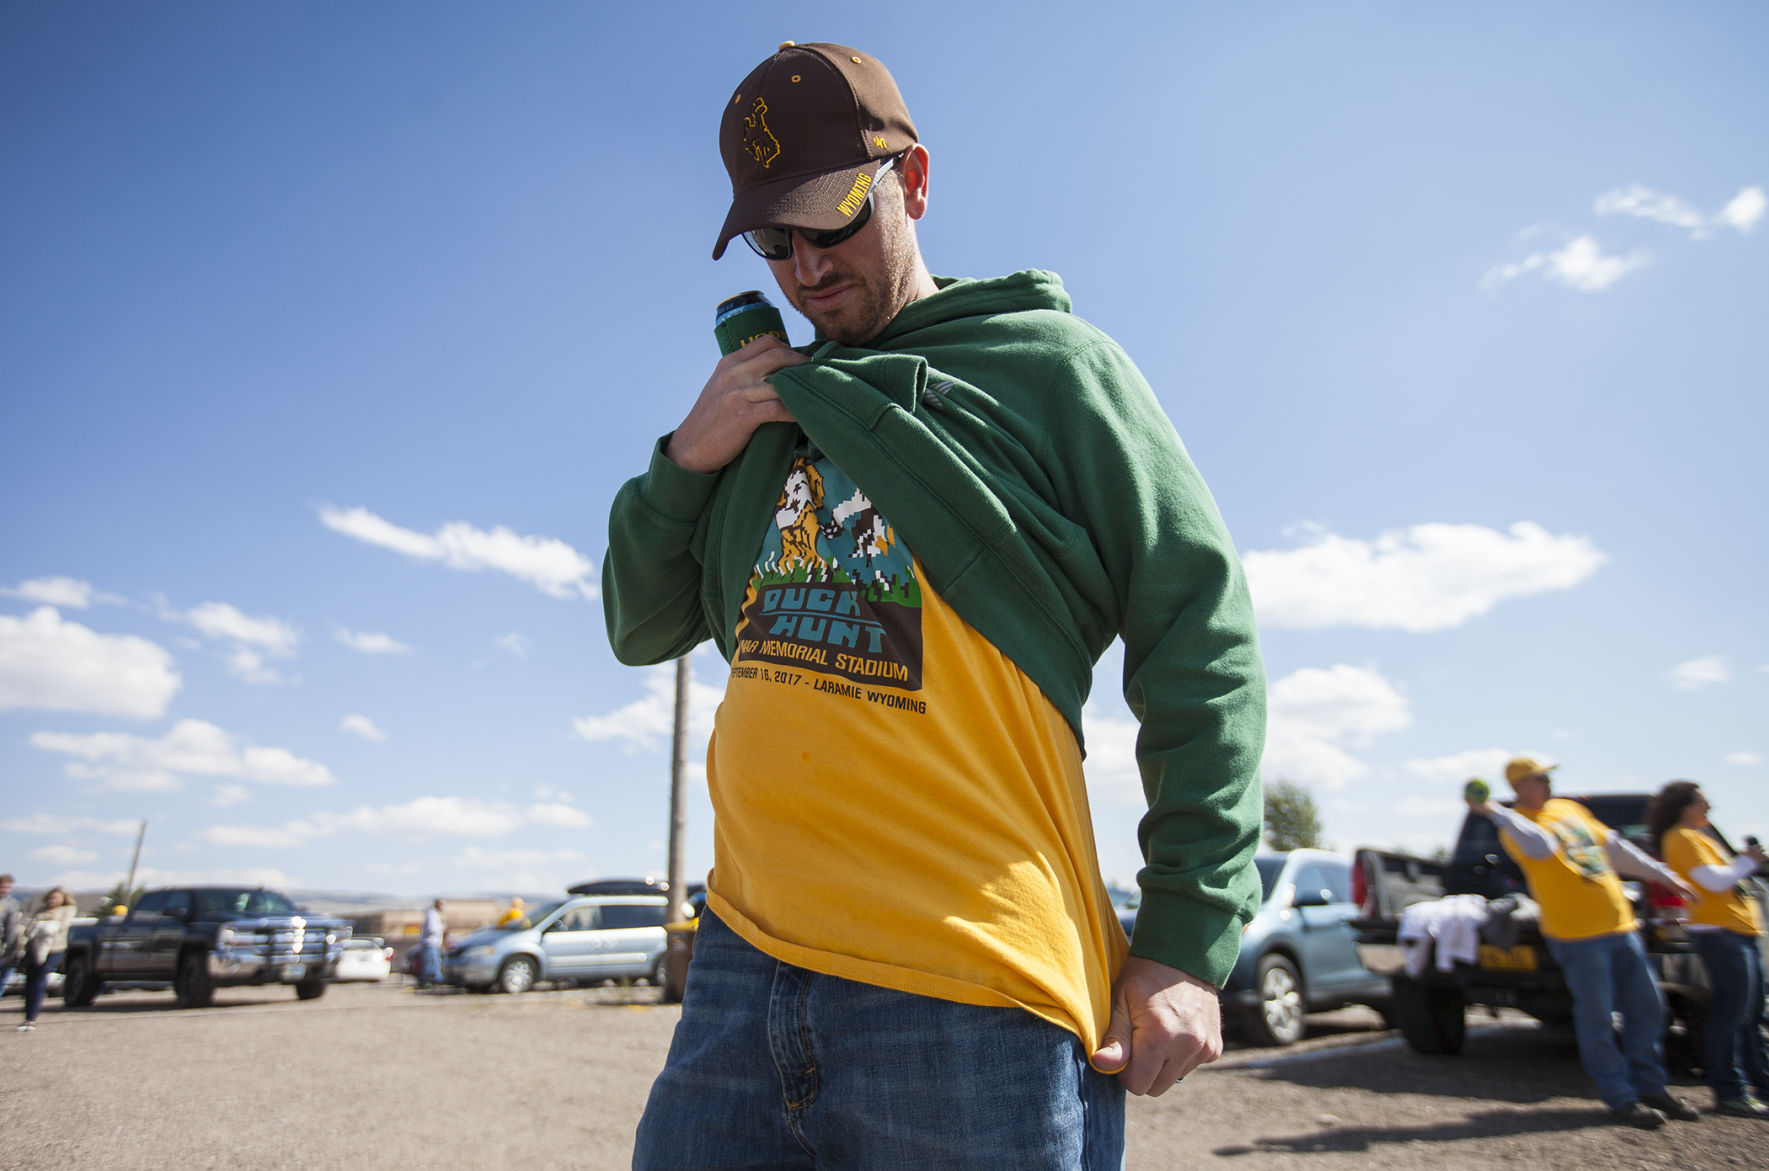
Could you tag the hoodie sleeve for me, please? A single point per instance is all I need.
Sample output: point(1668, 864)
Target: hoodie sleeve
point(1192, 672)
point(651, 575)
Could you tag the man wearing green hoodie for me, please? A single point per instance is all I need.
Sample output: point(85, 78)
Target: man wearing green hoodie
point(912, 539)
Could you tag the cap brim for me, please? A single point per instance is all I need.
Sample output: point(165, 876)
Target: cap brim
point(813, 202)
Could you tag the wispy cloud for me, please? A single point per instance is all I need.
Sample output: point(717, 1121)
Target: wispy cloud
point(649, 721)
point(369, 643)
point(249, 639)
point(360, 725)
point(1698, 673)
point(48, 664)
point(546, 563)
point(424, 817)
point(1741, 214)
point(1423, 578)
point(515, 644)
point(117, 760)
point(1316, 715)
point(60, 826)
point(1580, 264)
point(1458, 767)
point(1744, 759)
point(65, 593)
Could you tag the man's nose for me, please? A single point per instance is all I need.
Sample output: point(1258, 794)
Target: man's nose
point(809, 264)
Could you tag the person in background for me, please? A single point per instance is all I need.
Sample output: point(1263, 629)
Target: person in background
point(1726, 927)
point(516, 912)
point(431, 940)
point(45, 941)
point(10, 936)
point(1573, 864)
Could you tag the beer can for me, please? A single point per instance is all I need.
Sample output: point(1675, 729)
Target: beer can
point(742, 319)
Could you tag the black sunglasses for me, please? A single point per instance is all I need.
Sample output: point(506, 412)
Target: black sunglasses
point(776, 243)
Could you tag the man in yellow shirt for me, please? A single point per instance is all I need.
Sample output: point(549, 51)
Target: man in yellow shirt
point(1573, 864)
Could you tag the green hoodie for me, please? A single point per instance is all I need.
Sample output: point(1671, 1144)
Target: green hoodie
point(1020, 454)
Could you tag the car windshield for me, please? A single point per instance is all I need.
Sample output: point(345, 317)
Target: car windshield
point(531, 916)
point(1269, 869)
point(243, 902)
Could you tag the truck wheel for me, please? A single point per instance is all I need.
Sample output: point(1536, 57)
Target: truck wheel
point(1279, 1018)
point(1433, 1020)
point(192, 984)
point(517, 975)
point(77, 985)
point(312, 987)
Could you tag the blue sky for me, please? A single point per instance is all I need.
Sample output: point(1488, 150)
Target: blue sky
point(328, 332)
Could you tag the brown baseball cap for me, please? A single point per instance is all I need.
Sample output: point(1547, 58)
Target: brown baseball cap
point(805, 134)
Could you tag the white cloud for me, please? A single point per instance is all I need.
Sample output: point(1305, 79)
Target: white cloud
point(478, 856)
point(1427, 577)
point(648, 722)
point(1699, 673)
point(522, 869)
point(359, 725)
point(1110, 768)
point(191, 748)
point(154, 876)
point(423, 817)
point(226, 795)
point(1746, 759)
point(516, 644)
point(1581, 264)
point(1745, 210)
point(65, 593)
point(1457, 768)
point(548, 564)
point(372, 643)
point(246, 663)
point(54, 825)
point(1315, 714)
point(558, 814)
point(47, 664)
point(223, 622)
point(1741, 214)
point(63, 855)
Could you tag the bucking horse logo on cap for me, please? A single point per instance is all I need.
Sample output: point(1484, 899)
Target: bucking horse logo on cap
point(758, 140)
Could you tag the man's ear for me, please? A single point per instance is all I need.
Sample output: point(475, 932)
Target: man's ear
point(914, 170)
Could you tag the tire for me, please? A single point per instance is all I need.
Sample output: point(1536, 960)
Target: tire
point(655, 978)
point(517, 975)
point(1433, 1020)
point(311, 988)
point(1279, 1019)
point(192, 984)
point(78, 985)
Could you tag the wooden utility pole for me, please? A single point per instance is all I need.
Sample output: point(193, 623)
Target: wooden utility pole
point(129, 886)
point(678, 795)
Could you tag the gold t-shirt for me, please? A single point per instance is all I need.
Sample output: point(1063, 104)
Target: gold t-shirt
point(1579, 892)
point(1685, 849)
point(895, 801)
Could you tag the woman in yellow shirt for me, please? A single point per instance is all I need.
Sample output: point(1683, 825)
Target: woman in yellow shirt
point(1726, 929)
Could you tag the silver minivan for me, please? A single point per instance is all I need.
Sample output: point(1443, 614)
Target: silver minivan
point(595, 937)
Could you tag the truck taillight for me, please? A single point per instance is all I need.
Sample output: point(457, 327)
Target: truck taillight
point(1360, 886)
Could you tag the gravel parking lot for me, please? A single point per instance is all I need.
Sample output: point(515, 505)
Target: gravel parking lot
point(379, 1075)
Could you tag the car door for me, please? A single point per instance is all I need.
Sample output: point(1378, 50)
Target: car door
point(166, 937)
point(1323, 904)
point(632, 938)
point(124, 952)
point(570, 943)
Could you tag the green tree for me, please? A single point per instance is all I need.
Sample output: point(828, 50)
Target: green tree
point(117, 896)
point(1291, 820)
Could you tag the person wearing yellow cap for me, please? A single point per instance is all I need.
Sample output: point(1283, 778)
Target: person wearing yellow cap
point(516, 912)
point(1573, 864)
point(913, 537)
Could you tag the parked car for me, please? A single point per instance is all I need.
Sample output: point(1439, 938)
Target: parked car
point(364, 958)
point(594, 937)
point(1298, 954)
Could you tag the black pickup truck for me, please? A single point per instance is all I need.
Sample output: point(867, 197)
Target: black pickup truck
point(199, 938)
point(1513, 968)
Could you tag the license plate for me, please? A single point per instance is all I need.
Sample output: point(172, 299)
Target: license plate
point(294, 971)
point(1508, 959)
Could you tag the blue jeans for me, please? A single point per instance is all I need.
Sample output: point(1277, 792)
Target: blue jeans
point(1736, 1060)
point(775, 1066)
point(432, 969)
point(36, 981)
point(1606, 975)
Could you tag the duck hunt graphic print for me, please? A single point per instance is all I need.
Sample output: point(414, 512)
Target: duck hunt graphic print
point(833, 590)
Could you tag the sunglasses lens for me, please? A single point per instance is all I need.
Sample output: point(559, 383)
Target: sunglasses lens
point(770, 243)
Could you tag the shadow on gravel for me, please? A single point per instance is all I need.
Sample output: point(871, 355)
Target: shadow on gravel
point(1339, 1140)
point(1518, 1065)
